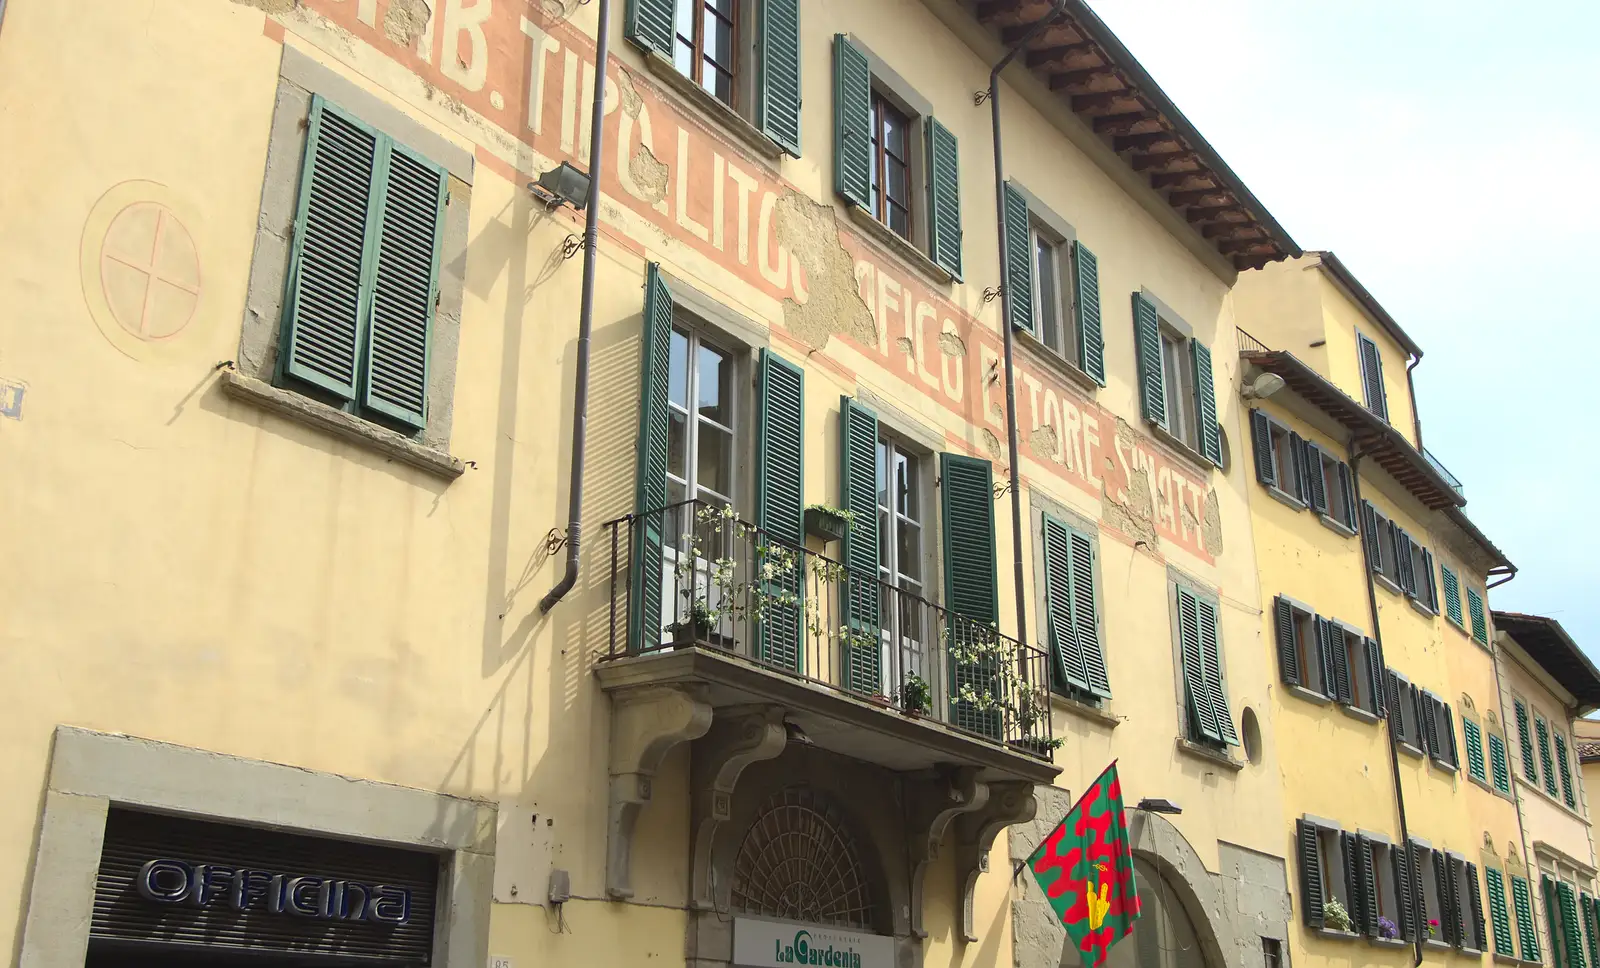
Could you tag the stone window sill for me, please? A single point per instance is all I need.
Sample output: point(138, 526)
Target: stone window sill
point(1385, 582)
point(1308, 695)
point(1338, 527)
point(1286, 497)
point(1422, 607)
point(1509, 960)
point(1336, 933)
point(1083, 710)
point(1481, 783)
point(901, 247)
point(1436, 944)
point(1355, 712)
point(1442, 766)
point(1554, 800)
point(712, 109)
point(1388, 942)
point(1182, 447)
point(1058, 363)
point(1410, 749)
point(1208, 755)
point(345, 426)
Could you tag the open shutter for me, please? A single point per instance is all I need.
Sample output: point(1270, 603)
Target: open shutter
point(1205, 404)
point(1403, 862)
point(1499, 770)
point(1019, 260)
point(967, 498)
point(1369, 533)
point(1425, 731)
point(1147, 346)
point(1325, 649)
point(1086, 304)
point(1316, 489)
point(1333, 645)
point(1402, 554)
point(649, 25)
point(1211, 651)
point(1474, 735)
point(1394, 709)
point(1375, 679)
point(1311, 898)
point(1058, 602)
point(852, 123)
point(1366, 887)
point(858, 491)
point(1499, 917)
point(1571, 928)
point(1447, 729)
point(405, 286)
point(1288, 655)
point(1354, 886)
point(650, 495)
point(944, 198)
point(1372, 377)
point(1085, 615)
point(1452, 595)
point(778, 72)
point(1428, 588)
point(1261, 440)
point(780, 510)
point(1564, 770)
point(1297, 457)
point(1197, 693)
point(1474, 909)
point(1552, 919)
point(1445, 884)
point(1525, 734)
point(1347, 495)
point(327, 299)
point(1480, 624)
point(1591, 923)
point(1527, 934)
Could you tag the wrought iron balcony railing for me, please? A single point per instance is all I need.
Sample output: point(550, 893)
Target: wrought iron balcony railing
point(693, 575)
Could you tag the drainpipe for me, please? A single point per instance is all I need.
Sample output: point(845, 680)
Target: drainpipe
point(580, 393)
point(1411, 388)
point(1005, 317)
point(1419, 916)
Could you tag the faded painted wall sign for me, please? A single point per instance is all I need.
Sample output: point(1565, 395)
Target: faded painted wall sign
point(534, 76)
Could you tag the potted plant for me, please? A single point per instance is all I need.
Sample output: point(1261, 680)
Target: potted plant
point(1033, 705)
point(1387, 929)
point(1335, 916)
point(1433, 928)
point(827, 522)
point(915, 696)
point(694, 627)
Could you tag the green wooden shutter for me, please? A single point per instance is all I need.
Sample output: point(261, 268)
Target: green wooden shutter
point(1499, 770)
point(327, 298)
point(1522, 903)
point(1552, 919)
point(405, 287)
point(970, 588)
point(1564, 769)
point(1310, 856)
point(852, 123)
point(1147, 344)
point(1571, 929)
point(1480, 622)
point(1545, 763)
point(1288, 654)
point(1261, 440)
point(1298, 459)
point(1525, 735)
point(1376, 705)
point(1498, 916)
point(650, 494)
point(1058, 593)
point(780, 511)
point(1202, 668)
point(1402, 858)
point(1372, 377)
point(858, 491)
point(1475, 765)
point(778, 72)
point(1086, 305)
point(1591, 924)
point(1474, 909)
point(944, 198)
point(1452, 594)
point(1205, 405)
point(1428, 585)
point(649, 25)
point(1019, 260)
point(1085, 614)
point(1448, 730)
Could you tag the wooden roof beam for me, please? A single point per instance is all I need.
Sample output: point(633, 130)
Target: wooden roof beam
point(1208, 212)
point(1171, 179)
point(1220, 230)
point(1161, 159)
point(1139, 142)
point(1014, 33)
point(1121, 123)
point(1229, 246)
point(1067, 79)
point(1194, 195)
point(1039, 58)
point(1095, 100)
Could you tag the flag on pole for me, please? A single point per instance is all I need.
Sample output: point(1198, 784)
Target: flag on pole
point(1085, 867)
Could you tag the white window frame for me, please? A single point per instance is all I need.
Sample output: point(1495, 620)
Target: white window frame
point(1177, 381)
point(904, 654)
point(1065, 343)
point(684, 324)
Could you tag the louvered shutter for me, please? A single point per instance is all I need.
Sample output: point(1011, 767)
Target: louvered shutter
point(1564, 770)
point(1525, 735)
point(1330, 661)
point(780, 511)
point(778, 73)
point(1522, 903)
point(1447, 729)
point(1429, 586)
point(1404, 571)
point(858, 490)
point(944, 198)
point(1288, 655)
point(1480, 624)
point(1297, 457)
point(1591, 923)
point(649, 25)
point(1058, 595)
point(1545, 761)
point(1369, 533)
point(1316, 484)
point(1311, 897)
point(1498, 916)
point(1391, 568)
point(1347, 495)
point(1147, 346)
point(852, 123)
point(1475, 765)
point(1205, 403)
point(1403, 860)
point(1428, 725)
point(1571, 929)
point(1552, 920)
point(1452, 595)
point(1368, 887)
point(1474, 909)
point(1394, 709)
point(1198, 695)
point(1375, 678)
point(1211, 649)
point(1354, 886)
point(1086, 304)
point(327, 298)
point(1261, 439)
point(1085, 615)
point(650, 495)
point(967, 500)
point(1332, 637)
point(1019, 261)
point(1449, 905)
point(1372, 377)
point(1499, 770)
point(405, 287)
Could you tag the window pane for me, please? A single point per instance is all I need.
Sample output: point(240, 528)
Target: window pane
point(683, 49)
point(900, 220)
point(1172, 369)
point(897, 181)
point(894, 132)
point(719, 36)
point(883, 542)
point(677, 443)
point(678, 370)
point(905, 488)
point(883, 475)
point(1046, 300)
point(909, 549)
point(715, 388)
point(715, 464)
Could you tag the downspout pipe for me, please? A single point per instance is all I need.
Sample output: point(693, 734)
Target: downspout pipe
point(1005, 316)
point(1411, 390)
point(580, 392)
point(1419, 917)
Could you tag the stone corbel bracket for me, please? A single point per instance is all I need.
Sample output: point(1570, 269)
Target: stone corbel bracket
point(736, 739)
point(934, 804)
point(646, 723)
point(1008, 803)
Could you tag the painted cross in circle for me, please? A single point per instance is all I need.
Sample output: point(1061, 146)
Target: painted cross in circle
point(150, 271)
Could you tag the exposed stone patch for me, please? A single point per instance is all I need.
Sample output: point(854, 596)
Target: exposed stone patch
point(649, 173)
point(906, 346)
point(992, 443)
point(1045, 440)
point(1211, 528)
point(833, 305)
point(1135, 517)
point(559, 10)
point(631, 102)
point(952, 345)
point(998, 412)
point(270, 6)
point(405, 21)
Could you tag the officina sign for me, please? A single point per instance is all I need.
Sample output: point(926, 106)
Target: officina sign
point(779, 944)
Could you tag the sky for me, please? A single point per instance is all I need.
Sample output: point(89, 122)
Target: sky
point(1442, 151)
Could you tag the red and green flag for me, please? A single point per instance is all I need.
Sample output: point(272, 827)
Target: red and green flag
point(1085, 867)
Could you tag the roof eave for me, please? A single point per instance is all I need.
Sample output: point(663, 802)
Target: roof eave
point(1342, 274)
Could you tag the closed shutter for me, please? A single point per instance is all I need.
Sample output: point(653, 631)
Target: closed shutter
point(1396, 716)
point(1330, 661)
point(1428, 716)
point(858, 491)
point(780, 510)
point(1480, 622)
point(852, 123)
point(1474, 912)
point(1298, 457)
point(1591, 922)
point(1311, 897)
point(944, 198)
point(405, 287)
point(1372, 377)
point(1211, 649)
point(1402, 556)
point(1445, 884)
point(326, 302)
point(1452, 595)
point(1261, 439)
point(1086, 304)
point(778, 73)
point(1545, 761)
point(1565, 770)
point(967, 500)
point(1404, 862)
point(1288, 654)
point(1354, 887)
point(1571, 928)
point(1316, 485)
point(1498, 916)
point(1332, 637)
point(650, 495)
point(1019, 260)
point(1475, 765)
point(1499, 770)
point(1058, 593)
point(1085, 615)
point(1203, 718)
point(1375, 679)
point(1369, 533)
point(1347, 495)
point(1552, 920)
point(1205, 404)
point(1422, 716)
point(1427, 584)
point(1368, 886)
point(1522, 903)
point(1525, 735)
point(1391, 568)
point(649, 25)
point(1147, 346)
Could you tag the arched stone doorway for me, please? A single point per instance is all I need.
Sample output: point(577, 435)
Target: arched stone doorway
point(1165, 936)
point(800, 861)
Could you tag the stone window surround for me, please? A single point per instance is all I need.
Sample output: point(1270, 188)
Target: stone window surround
point(92, 771)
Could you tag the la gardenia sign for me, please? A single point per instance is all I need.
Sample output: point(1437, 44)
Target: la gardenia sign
point(780, 944)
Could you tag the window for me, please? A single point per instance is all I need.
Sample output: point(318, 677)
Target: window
point(1383, 901)
point(1383, 545)
point(1071, 610)
point(1438, 729)
point(1051, 298)
point(1278, 449)
point(901, 556)
point(704, 45)
point(1414, 565)
point(1474, 737)
point(1372, 376)
point(700, 419)
point(1522, 904)
point(1465, 903)
point(1480, 622)
point(1176, 389)
point(886, 149)
point(1564, 916)
point(1498, 768)
point(1542, 731)
point(1299, 654)
point(1565, 769)
point(1360, 656)
point(1590, 914)
point(1052, 284)
point(1207, 718)
point(1499, 916)
point(1300, 471)
point(1429, 868)
point(1338, 499)
point(1525, 735)
point(1324, 873)
point(1452, 596)
point(1403, 712)
point(1272, 953)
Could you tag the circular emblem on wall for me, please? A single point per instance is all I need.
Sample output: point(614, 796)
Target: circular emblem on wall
point(141, 270)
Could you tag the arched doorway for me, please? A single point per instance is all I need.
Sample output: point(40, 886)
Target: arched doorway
point(799, 861)
point(1164, 936)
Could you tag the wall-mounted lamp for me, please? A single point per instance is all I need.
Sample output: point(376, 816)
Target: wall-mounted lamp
point(1159, 805)
point(795, 734)
point(562, 184)
point(1263, 386)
